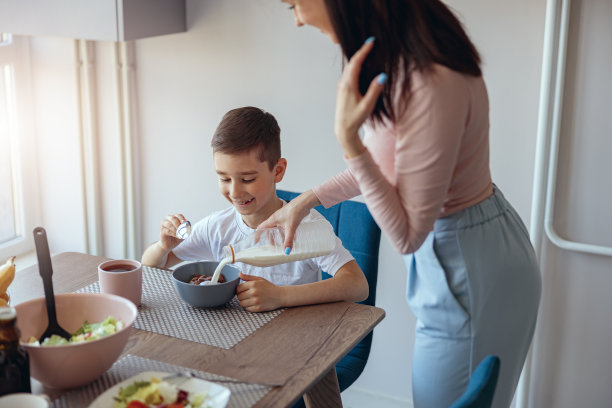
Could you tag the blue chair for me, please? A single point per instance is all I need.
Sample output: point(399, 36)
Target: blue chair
point(360, 234)
point(481, 387)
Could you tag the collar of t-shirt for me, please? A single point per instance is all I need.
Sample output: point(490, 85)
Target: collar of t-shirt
point(242, 226)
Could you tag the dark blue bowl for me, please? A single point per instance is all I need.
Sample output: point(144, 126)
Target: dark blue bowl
point(205, 295)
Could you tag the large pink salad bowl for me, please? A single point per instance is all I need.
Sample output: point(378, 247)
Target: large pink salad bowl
point(73, 365)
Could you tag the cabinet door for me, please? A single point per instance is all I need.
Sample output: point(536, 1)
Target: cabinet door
point(60, 18)
point(113, 20)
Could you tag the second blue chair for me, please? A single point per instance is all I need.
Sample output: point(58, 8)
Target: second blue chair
point(481, 387)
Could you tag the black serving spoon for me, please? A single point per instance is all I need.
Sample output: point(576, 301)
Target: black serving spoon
point(46, 271)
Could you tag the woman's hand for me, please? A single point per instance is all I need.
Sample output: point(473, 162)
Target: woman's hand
point(352, 108)
point(289, 216)
point(167, 236)
point(257, 294)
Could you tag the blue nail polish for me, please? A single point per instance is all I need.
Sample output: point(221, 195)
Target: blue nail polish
point(382, 78)
point(287, 250)
point(370, 39)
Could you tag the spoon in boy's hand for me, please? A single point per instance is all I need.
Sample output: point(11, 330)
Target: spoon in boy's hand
point(183, 230)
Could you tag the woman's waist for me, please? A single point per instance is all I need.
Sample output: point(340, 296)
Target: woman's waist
point(487, 205)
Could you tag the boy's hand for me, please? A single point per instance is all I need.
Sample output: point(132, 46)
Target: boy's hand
point(167, 236)
point(257, 294)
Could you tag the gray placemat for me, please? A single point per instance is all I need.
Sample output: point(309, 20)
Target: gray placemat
point(242, 394)
point(162, 311)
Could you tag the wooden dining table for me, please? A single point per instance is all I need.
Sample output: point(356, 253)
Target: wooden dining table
point(294, 354)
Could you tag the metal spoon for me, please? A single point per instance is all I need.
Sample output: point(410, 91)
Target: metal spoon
point(183, 230)
point(181, 377)
point(46, 271)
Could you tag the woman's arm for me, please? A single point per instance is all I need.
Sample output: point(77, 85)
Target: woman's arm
point(428, 139)
point(341, 187)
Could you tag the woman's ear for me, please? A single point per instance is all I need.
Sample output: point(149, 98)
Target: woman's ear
point(279, 169)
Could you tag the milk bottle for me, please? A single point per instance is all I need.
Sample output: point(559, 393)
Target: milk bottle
point(265, 247)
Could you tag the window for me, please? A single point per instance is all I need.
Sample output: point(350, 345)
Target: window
point(17, 214)
point(8, 213)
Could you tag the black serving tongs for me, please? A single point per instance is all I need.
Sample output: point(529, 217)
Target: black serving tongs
point(46, 271)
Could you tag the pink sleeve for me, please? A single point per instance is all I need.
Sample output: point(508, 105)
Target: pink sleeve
point(428, 140)
point(341, 187)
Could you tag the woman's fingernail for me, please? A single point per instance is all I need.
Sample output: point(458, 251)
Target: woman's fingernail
point(382, 78)
point(287, 250)
point(369, 39)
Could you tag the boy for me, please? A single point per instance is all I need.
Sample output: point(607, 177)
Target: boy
point(247, 156)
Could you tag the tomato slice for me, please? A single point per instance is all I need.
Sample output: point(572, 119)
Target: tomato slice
point(182, 397)
point(176, 405)
point(136, 404)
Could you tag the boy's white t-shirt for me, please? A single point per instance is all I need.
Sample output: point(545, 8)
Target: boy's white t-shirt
point(211, 234)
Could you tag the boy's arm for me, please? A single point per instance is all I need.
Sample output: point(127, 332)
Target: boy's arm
point(158, 257)
point(259, 295)
point(348, 284)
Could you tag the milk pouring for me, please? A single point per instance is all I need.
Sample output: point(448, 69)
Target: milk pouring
point(265, 248)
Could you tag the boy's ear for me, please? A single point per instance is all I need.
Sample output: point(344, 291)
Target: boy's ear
point(279, 169)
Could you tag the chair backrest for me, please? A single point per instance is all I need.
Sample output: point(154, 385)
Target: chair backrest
point(481, 387)
point(360, 234)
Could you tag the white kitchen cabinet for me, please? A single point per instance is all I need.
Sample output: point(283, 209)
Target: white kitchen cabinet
point(111, 20)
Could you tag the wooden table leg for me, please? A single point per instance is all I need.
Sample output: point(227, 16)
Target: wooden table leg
point(325, 393)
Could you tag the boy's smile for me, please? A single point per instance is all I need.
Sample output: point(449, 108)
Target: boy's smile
point(245, 203)
point(249, 184)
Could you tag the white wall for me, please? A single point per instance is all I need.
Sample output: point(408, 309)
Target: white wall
point(238, 53)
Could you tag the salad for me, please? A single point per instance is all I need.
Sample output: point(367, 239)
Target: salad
point(87, 332)
point(158, 394)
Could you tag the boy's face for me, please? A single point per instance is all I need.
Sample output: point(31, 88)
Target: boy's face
point(249, 184)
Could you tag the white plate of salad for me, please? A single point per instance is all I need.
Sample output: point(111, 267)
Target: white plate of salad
point(148, 389)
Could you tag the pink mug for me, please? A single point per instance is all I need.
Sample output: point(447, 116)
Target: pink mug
point(122, 277)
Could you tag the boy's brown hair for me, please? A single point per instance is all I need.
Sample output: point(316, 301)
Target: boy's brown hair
point(244, 129)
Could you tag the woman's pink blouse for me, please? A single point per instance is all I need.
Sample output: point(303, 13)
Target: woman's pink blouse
point(433, 162)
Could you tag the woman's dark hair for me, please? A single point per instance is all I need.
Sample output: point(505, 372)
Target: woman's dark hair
point(244, 129)
point(410, 34)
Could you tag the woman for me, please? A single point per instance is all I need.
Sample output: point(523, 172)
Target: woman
point(423, 170)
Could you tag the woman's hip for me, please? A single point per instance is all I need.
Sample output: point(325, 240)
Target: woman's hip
point(475, 261)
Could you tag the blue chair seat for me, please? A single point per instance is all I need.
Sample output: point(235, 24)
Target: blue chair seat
point(481, 387)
